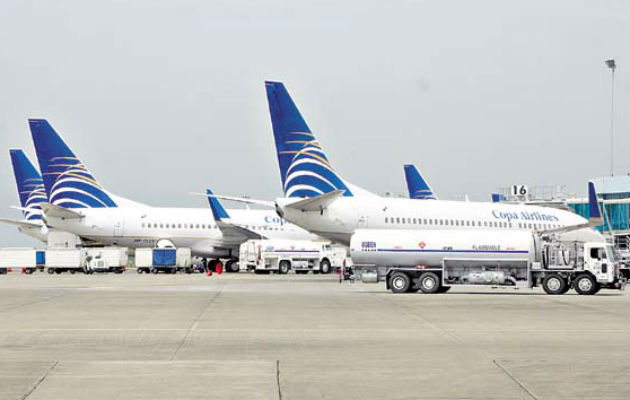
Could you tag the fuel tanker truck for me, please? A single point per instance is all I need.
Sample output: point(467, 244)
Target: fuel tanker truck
point(433, 261)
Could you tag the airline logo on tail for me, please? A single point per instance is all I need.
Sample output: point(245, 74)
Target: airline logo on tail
point(304, 167)
point(29, 184)
point(418, 188)
point(67, 181)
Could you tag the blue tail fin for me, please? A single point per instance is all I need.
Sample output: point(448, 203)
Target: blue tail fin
point(30, 185)
point(498, 197)
point(68, 182)
point(418, 188)
point(304, 167)
point(595, 215)
point(218, 212)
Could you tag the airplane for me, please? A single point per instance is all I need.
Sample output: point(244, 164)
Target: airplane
point(318, 199)
point(419, 188)
point(31, 192)
point(79, 204)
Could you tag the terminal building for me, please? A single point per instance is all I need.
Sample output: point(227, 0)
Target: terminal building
point(614, 195)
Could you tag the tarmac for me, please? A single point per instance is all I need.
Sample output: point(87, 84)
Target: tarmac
point(243, 336)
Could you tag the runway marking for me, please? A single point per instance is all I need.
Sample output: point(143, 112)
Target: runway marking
point(39, 382)
point(514, 379)
point(196, 322)
point(278, 379)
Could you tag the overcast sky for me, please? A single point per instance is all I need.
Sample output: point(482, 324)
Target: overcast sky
point(160, 98)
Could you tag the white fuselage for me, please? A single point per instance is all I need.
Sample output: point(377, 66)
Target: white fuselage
point(339, 220)
point(183, 227)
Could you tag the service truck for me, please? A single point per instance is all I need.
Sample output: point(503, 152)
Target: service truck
point(435, 260)
point(168, 260)
point(22, 258)
point(66, 260)
point(282, 256)
point(107, 259)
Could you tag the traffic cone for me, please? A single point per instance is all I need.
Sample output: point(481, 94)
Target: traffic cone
point(209, 272)
point(219, 268)
point(23, 270)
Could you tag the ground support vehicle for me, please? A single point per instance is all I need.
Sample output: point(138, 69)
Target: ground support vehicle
point(282, 256)
point(25, 259)
point(66, 260)
point(107, 259)
point(518, 259)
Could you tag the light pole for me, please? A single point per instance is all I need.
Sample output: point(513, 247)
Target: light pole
point(611, 64)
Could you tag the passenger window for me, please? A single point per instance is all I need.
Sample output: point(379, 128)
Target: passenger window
point(397, 220)
point(415, 221)
point(403, 220)
point(386, 220)
point(203, 226)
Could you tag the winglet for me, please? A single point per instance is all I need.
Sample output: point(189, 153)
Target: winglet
point(218, 212)
point(595, 215)
point(418, 188)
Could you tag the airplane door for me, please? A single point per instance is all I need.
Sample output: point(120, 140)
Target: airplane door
point(118, 227)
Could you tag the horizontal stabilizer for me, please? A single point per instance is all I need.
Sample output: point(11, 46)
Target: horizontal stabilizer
point(51, 210)
point(21, 224)
point(245, 200)
point(317, 203)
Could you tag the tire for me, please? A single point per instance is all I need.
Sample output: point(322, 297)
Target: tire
point(399, 282)
point(29, 271)
point(284, 267)
point(232, 266)
point(72, 272)
point(51, 271)
point(585, 284)
point(554, 284)
point(324, 266)
point(139, 270)
point(429, 282)
point(154, 270)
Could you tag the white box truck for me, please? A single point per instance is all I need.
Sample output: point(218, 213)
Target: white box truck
point(107, 259)
point(434, 261)
point(23, 258)
point(282, 256)
point(66, 260)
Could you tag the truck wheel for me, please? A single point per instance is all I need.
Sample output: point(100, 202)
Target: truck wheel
point(324, 266)
point(284, 267)
point(585, 284)
point(554, 284)
point(51, 271)
point(429, 283)
point(399, 282)
point(139, 270)
point(154, 270)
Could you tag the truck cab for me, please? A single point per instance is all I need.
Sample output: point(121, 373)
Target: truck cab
point(599, 260)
